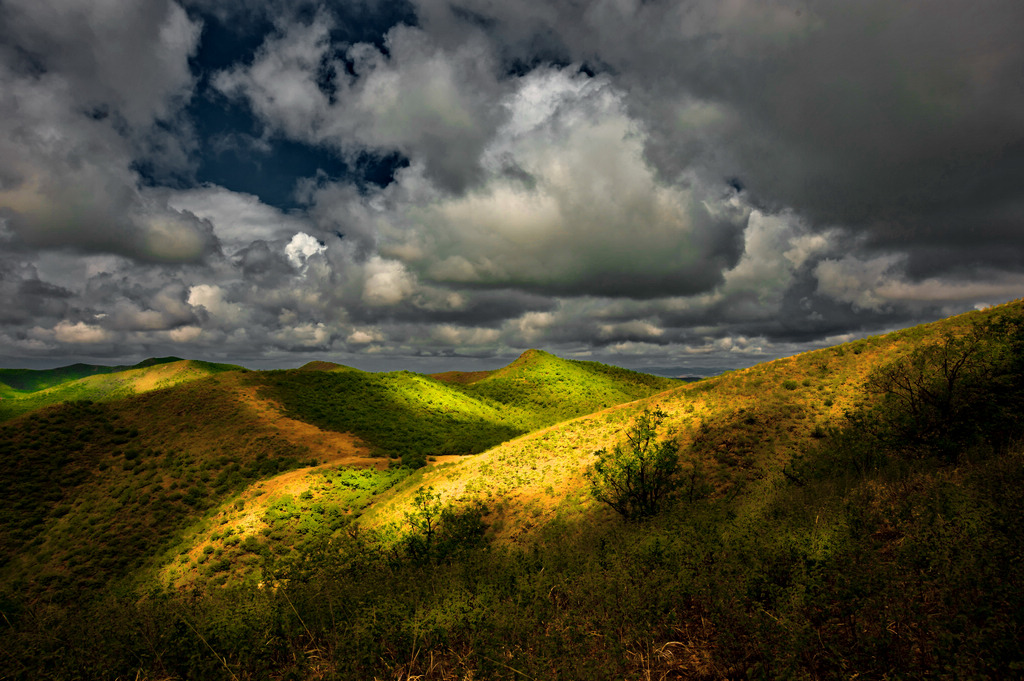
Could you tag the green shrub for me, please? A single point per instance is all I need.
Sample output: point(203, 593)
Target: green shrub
point(637, 479)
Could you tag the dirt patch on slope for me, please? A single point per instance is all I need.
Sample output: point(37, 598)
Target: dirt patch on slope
point(461, 377)
point(327, 447)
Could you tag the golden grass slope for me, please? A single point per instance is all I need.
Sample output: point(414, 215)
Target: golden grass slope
point(125, 480)
point(740, 429)
point(222, 412)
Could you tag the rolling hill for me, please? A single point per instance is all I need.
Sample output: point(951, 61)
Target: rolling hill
point(852, 511)
point(100, 485)
point(740, 429)
point(42, 388)
point(132, 458)
point(31, 380)
point(411, 416)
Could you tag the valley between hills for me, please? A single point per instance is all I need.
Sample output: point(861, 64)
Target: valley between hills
point(854, 511)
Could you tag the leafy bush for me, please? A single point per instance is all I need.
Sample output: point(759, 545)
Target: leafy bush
point(636, 479)
point(965, 390)
point(438, 531)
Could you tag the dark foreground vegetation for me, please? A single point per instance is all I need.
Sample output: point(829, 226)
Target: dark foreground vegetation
point(911, 571)
point(892, 547)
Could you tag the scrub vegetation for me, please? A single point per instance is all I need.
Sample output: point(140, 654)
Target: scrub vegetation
point(91, 493)
point(849, 512)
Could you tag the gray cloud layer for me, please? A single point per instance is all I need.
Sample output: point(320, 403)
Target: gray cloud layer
point(82, 89)
point(720, 182)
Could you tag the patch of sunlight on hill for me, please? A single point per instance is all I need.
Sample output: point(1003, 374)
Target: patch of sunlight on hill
point(736, 432)
point(112, 386)
point(397, 414)
point(546, 389)
point(31, 380)
point(792, 559)
point(377, 406)
point(531, 480)
point(277, 518)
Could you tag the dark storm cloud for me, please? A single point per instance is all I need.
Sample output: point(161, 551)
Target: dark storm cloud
point(26, 297)
point(259, 262)
point(472, 309)
point(592, 218)
point(722, 181)
point(853, 113)
point(125, 60)
point(88, 94)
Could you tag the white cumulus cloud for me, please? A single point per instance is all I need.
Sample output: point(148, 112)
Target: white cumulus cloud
point(301, 248)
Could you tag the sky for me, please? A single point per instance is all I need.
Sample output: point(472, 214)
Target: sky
point(437, 185)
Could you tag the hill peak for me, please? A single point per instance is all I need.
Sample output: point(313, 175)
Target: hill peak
point(533, 356)
point(153, 361)
point(529, 359)
point(320, 365)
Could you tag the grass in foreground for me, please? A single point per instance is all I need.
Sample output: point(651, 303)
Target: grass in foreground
point(913, 571)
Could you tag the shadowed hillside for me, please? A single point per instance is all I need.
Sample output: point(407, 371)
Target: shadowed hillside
point(100, 486)
point(140, 455)
point(733, 431)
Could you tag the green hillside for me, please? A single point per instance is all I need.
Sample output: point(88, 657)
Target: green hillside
point(7, 391)
point(852, 512)
point(738, 431)
point(412, 416)
point(54, 386)
point(545, 389)
point(129, 460)
point(30, 380)
point(400, 414)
